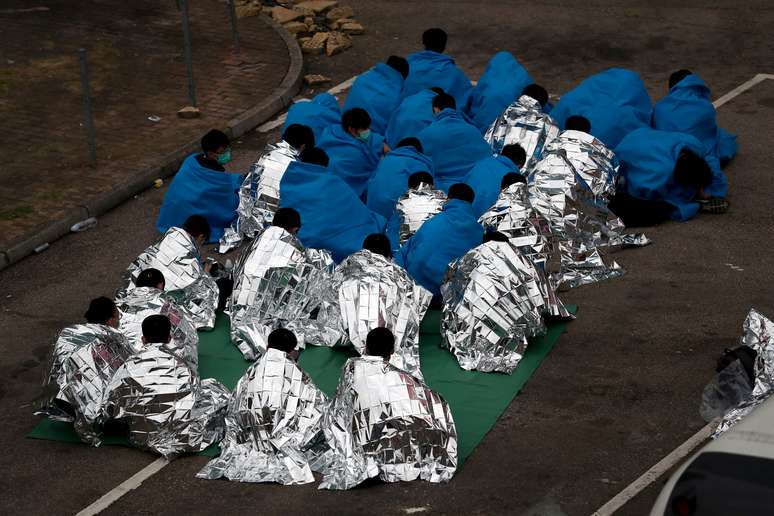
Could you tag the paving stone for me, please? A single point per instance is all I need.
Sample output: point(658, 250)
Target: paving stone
point(285, 15)
point(342, 11)
point(318, 6)
point(337, 42)
point(316, 45)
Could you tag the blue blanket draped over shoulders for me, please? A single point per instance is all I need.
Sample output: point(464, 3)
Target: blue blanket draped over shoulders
point(318, 114)
point(378, 91)
point(332, 216)
point(614, 101)
point(412, 115)
point(197, 190)
point(501, 84)
point(688, 109)
point(648, 158)
point(484, 178)
point(390, 180)
point(454, 145)
point(428, 69)
point(442, 239)
point(351, 159)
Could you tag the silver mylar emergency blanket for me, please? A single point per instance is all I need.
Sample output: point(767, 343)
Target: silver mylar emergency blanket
point(415, 207)
point(375, 292)
point(169, 410)
point(278, 283)
point(524, 123)
point(142, 302)
point(492, 302)
point(177, 256)
point(385, 422)
point(259, 194)
point(274, 412)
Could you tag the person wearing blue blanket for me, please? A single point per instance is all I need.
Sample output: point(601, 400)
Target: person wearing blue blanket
point(334, 218)
point(688, 109)
point(615, 102)
point(412, 115)
point(354, 150)
point(389, 180)
point(432, 68)
point(501, 84)
point(452, 143)
point(203, 187)
point(485, 177)
point(379, 91)
point(319, 113)
point(442, 239)
point(666, 175)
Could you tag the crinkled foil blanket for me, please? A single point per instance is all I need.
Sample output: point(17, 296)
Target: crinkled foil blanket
point(415, 207)
point(525, 124)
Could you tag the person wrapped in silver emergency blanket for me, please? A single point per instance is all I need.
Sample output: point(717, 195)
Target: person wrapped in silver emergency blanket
point(420, 202)
point(259, 193)
point(524, 123)
point(178, 258)
point(274, 412)
point(162, 400)
point(279, 283)
point(373, 291)
point(384, 422)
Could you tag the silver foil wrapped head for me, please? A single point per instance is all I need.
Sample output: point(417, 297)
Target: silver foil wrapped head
point(492, 302)
point(384, 422)
point(274, 412)
point(177, 256)
point(375, 292)
point(524, 123)
point(417, 206)
point(168, 409)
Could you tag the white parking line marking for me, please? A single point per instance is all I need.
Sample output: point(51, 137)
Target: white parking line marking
point(742, 88)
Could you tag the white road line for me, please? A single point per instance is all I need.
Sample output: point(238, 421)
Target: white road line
point(742, 88)
point(124, 487)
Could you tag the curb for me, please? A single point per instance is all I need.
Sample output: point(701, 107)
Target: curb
point(279, 99)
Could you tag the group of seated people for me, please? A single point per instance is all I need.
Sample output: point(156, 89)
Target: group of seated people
point(394, 189)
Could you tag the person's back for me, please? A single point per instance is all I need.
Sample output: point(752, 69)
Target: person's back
point(485, 177)
point(318, 114)
point(413, 114)
point(389, 180)
point(432, 68)
point(379, 91)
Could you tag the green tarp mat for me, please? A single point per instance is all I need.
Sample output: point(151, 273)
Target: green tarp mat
point(476, 399)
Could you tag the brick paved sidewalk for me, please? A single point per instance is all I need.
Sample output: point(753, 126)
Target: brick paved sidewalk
point(137, 70)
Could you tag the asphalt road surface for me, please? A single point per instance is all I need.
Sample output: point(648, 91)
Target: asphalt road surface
point(621, 388)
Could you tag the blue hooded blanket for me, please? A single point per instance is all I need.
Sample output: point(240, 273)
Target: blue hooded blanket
point(614, 101)
point(378, 91)
point(318, 114)
point(390, 180)
point(501, 84)
point(442, 239)
point(412, 115)
point(648, 158)
point(484, 178)
point(332, 216)
point(428, 69)
point(197, 190)
point(351, 159)
point(688, 109)
point(454, 145)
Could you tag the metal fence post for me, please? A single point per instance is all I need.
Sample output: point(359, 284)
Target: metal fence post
point(188, 58)
point(234, 31)
point(88, 116)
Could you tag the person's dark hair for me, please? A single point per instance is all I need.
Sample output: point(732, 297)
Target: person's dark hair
point(537, 92)
point(150, 278)
point(437, 90)
point(462, 192)
point(156, 329)
point(283, 340)
point(380, 342)
point(197, 226)
point(692, 170)
point(678, 76)
point(286, 218)
point(444, 101)
point(214, 140)
point(411, 141)
point(435, 40)
point(495, 236)
point(511, 178)
point(315, 156)
point(515, 153)
point(100, 310)
point(578, 123)
point(297, 135)
point(417, 178)
point(356, 118)
point(378, 243)
point(399, 64)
